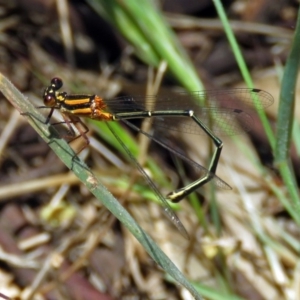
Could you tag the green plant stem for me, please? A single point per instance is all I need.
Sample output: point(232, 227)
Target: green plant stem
point(243, 67)
point(286, 120)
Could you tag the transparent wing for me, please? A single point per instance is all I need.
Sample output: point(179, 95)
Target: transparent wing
point(225, 112)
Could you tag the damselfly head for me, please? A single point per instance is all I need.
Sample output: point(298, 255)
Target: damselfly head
point(50, 93)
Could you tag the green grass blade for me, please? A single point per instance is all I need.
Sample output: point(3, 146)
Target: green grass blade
point(150, 36)
point(287, 99)
point(242, 65)
point(85, 175)
point(281, 145)
point(286, 119)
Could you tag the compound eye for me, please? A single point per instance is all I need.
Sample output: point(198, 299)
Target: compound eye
point(49, 100)
point(56, 83)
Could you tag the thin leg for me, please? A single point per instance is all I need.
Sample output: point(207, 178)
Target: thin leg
point(50, 115)
point(44, 122)
point(70, 119)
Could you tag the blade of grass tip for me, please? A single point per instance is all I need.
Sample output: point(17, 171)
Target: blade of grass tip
point(243, 68)
point(286, 118)
point(78, 167)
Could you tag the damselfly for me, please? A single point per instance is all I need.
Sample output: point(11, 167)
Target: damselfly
point(221, 112)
